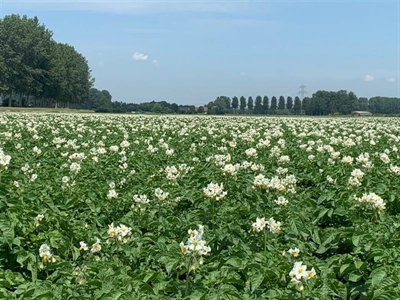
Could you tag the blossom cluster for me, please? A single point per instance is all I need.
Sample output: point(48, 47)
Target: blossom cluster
point(120, 232)
point(45, 254)
point(195, 243)
point(96, 247)
point(356, 177)
point(160, 194)
point(373, 200)
point(261, 223)
point(299, 273)
point(286, 184)
point(4, 159)
point(215, 191)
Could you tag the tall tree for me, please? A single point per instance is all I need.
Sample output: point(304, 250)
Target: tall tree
point(250, 104)
point(306, 106)
point(289, 103)
point(362, 104)
point(235, 103)
point(297, 106)
point(258, 105)
point(281, 103)
point(218, 106)
point(273, 107)
point(99, 100)
point(74, 75)
point(25, 55)
point(265, 104)
point(242, 103)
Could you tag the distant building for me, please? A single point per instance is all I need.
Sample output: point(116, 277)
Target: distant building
point(205, 108)
point(184, 108)
point(361, 113)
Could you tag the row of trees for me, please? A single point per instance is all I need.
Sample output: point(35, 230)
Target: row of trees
point(260, 105)
point(38, 71)
point(100, 101)
point(321, 103)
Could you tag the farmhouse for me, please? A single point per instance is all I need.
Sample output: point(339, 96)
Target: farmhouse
point(361, 113)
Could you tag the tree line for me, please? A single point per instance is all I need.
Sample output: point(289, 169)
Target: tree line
point(38, 71)
point(320, 103)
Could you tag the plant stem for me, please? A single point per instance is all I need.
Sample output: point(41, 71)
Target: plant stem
point(265, 239)
point(213, 212)
point(187, 277)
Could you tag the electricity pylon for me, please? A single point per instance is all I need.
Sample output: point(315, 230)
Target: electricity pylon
point(302, 91)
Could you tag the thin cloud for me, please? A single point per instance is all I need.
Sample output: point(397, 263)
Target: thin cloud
point(101, 64)
point(391, 80)
point(243, 73)
point(368, 78)
point(155, 63)
point(129, 7)
point(139, 56)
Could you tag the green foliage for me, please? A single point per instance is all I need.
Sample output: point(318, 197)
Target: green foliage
point(353, 247)
point(281, 103)
point(274, 105)
point(242, 103)
point(289, 103)
point(250, 104)
point(34, 65)
point(297, 106)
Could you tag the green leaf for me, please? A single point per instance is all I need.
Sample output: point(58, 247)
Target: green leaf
point(171, 263)
point(353, 277)
point(377, 276)
point(8, 232)
point(355, 239)
point(322, 213)
point(235, 262)
point(344, 268)
point(340, 289)
point(256, 280)
point(322, 249)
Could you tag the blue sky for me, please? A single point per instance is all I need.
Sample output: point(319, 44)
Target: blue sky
point(190, 52)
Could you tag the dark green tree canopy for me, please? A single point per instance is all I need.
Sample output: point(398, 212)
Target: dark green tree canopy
point(32, 64)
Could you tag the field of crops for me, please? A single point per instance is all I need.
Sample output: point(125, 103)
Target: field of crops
point(137, 207)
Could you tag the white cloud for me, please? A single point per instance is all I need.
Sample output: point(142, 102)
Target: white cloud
point(139, 56)
point(368, 78)
point(391, 79)
point(156, 63)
